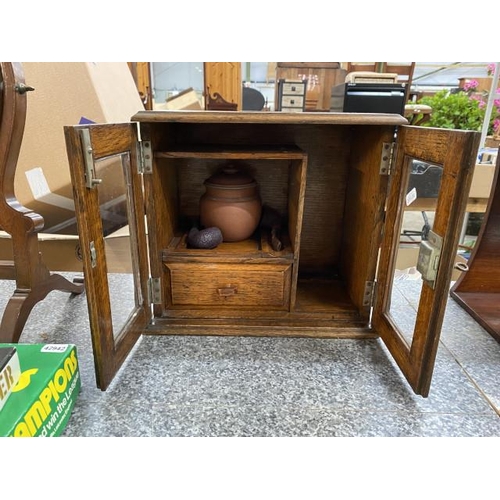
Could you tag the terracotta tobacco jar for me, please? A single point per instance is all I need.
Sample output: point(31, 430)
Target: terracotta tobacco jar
point(232, 203)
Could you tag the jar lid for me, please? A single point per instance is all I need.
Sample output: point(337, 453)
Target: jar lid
point(230, 176)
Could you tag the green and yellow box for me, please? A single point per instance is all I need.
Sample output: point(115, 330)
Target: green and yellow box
point(43, 399)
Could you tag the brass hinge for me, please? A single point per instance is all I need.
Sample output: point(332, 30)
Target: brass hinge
point(154, 289)
point(369, 295)
point(387, 158)
point(145, 157)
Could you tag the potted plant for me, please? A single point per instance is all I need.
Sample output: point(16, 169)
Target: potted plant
point(463, 108)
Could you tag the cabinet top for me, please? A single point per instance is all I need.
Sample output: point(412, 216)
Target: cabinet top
point(187, 116)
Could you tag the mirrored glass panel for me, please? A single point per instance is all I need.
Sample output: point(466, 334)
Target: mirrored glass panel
point(115, 193)
point(172, 78)
point(415, 238)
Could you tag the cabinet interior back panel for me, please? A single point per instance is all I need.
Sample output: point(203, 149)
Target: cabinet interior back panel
point(272, 177)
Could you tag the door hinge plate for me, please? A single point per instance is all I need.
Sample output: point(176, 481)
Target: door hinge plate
point(154, 290)
point(145, 160)
point(387, 157)
point(369, 295)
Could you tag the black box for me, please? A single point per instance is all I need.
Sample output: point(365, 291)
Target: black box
point(368, 98)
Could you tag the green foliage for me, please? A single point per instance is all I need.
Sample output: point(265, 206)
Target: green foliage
point(456, 111)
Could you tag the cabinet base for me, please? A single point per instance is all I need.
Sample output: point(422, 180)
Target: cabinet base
point(256, 329)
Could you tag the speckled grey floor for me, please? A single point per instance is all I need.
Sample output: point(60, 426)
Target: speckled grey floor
point(225, 386)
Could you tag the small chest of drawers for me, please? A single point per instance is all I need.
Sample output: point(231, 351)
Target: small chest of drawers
point(291, 95)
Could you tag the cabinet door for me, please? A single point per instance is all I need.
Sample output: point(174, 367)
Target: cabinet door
point(432, 172)
point(109, 208)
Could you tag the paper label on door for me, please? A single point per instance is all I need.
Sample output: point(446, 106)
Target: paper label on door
point(411, 197)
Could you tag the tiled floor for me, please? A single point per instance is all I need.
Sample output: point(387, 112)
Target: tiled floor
point(226, 386)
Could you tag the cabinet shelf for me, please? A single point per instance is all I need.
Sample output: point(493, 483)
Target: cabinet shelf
point(255, 249)
point(216, 153)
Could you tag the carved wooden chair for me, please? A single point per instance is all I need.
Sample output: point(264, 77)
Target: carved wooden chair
point(33, 280)
point(218, 103)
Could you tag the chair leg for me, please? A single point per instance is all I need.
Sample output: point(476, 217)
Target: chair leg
point(22, 302)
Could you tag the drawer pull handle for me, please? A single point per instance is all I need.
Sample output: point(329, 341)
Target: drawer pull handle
point(227, 291)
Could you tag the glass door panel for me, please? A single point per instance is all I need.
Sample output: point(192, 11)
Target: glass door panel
point(422, 186)
point(114, 194)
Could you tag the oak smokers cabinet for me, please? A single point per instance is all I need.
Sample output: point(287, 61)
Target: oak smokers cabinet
point(338, 182)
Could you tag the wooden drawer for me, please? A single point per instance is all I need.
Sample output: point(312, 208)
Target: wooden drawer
point(230, 285)
point(293, 88)
point(289, 101)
